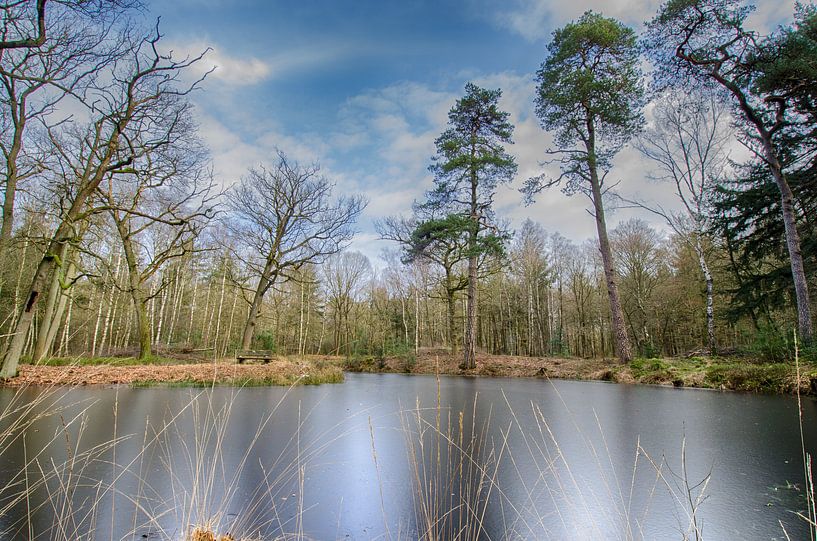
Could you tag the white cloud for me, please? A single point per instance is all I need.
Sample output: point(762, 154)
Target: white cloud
point(769, 15)
point(535, 19)
point(232, 70)
point(244, 71)
point(237, 71)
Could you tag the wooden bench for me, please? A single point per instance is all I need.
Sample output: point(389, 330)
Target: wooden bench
point(254, 354)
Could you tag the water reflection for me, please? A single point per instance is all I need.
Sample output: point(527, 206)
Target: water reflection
point(558, 460)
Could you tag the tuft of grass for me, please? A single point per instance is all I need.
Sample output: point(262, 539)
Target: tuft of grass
point(361, 364)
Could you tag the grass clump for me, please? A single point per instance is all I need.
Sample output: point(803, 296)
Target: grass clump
point(735, 374)
point(360, 364)
point(646, 367)
point(776, 377)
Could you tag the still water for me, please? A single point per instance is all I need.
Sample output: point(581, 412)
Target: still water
point(383, 456)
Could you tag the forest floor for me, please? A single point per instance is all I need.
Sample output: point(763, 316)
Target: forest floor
point(185, 369)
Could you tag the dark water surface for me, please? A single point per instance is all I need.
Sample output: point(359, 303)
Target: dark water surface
point(547, 460)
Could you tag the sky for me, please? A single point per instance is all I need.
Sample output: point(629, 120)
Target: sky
point(363, 87)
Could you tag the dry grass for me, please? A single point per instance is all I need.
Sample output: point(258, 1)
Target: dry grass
point(281, 371)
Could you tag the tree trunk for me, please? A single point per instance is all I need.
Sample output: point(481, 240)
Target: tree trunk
point(470, 343)
point(42, 276)
point(49, 319)
point(804, 323)
point(255, 308)
point(416, 321)
point(218, 318)
point(142, 323)
point(65, 231)
point(710, 298)
point(136, 286)
point(192, 307)
point(452, 328)
point(18, 115)
point(621, 343)
point(66, 329)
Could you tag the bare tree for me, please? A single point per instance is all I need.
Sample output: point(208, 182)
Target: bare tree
point(27, 23)
point(284, 218)
point(688, 142)
point(529, 262)
point(158, 216)
point(344, 276)
point(138, 99)
point(37, 74)
point(639, 261)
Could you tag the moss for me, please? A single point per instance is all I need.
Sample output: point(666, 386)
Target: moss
point(773, 378)
point(735, 374)
point(647, 367)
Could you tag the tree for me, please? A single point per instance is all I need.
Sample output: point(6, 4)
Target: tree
point(442, 241)
point(529, 262)
point(746, 217)
point(343, 277)
point(158, 219)
point(591, 93)
point(137, 99)
point(639, 261)
point(35, 78)
point(284, 218)
point(26, 22)
point(470, 163)
point(687, 141)
point(706, 41)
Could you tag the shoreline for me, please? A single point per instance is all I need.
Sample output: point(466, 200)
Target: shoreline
point(719, 373)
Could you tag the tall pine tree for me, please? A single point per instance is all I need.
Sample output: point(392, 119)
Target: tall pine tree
point(590, 94)
point(470, 163)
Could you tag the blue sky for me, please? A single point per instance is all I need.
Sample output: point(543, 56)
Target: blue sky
point(363, 87)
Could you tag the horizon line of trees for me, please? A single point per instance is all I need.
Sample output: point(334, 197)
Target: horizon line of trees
point(550, 299)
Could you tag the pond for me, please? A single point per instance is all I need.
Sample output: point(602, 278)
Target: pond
point(387, 456)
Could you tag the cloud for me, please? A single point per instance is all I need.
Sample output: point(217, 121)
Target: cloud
point(232, 70)
point(388, 136)
point(237, 71)
point(767, 16)
point(535, 19)
point(245, 71)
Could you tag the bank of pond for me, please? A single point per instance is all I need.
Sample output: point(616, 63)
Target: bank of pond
point(723, 373)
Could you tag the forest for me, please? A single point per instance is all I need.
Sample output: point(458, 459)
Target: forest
point(117, 239)
point(166, 326)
